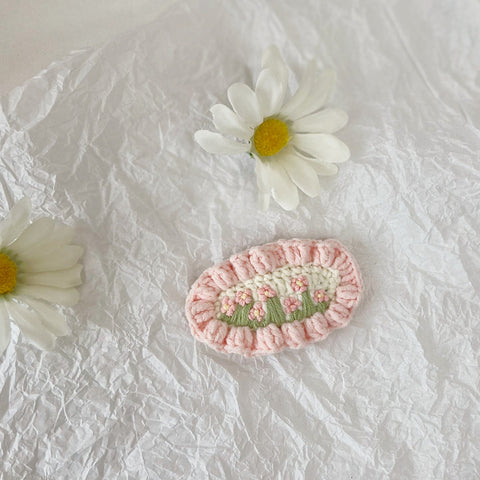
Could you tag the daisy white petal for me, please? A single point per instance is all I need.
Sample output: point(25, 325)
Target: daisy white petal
point(302, 92)
point(301, 173)
point(4, 327)
point(65, 257)
point(51, 318)
point(263, 176)
point(263, 201)
point(62, 296)
point(321, 167)
point(60, 279)
point(271, 58)
point(284, 191)
point(15, 222)
point(36, 232)
point(216, 143)
point(227, 122)
point(273, 61)
point(31, 326)
point(317, 95)
point(245, 103)
point(63, 234)
point(59, 237)
point(270, 91)
point(323, 146)
point(329, 120)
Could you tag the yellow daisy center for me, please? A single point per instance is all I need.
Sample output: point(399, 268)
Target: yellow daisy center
point(270, 137)
point(8, 274)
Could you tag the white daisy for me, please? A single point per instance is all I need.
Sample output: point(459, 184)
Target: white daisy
point(37, 265)
point(291, 140)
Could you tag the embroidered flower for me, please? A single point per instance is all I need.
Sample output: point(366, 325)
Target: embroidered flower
point(299, 284)
point(244, 297)
point(320, 296)
point(38, 267)
point(257, 312)
point(291, 141)
point(291, 304)
point(266, 292)
point(228, 306)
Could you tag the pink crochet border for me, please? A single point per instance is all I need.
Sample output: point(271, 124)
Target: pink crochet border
point(200, 304)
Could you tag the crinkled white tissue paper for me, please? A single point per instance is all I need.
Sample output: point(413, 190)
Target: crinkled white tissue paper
point(103, 140)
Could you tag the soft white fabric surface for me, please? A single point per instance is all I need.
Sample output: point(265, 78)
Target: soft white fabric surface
point(103, 140)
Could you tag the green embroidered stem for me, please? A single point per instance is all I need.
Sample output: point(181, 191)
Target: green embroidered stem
point(254, 324)
point(239, 317)
point(322, 307)
point(236, 317)
point(225, 319)
point(275, 313)
point(296, 315)
point(308, 307)
point(243, 320)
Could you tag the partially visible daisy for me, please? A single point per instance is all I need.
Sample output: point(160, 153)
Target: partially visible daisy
point(38, 267)
point(291, 140)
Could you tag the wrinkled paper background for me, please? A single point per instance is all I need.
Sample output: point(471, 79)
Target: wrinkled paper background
point(103, 140)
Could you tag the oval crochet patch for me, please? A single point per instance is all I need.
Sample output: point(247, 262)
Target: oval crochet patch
point(280, 295)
